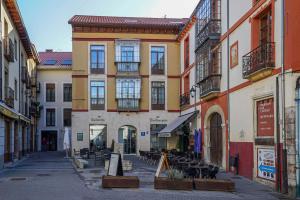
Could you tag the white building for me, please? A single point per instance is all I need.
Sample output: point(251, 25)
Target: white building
point(55, 99)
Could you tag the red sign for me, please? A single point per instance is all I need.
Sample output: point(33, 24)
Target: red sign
point(265, 117)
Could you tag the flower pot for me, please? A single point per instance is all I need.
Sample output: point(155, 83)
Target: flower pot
point(214, 185)
point(120, 182)
point(173, 184)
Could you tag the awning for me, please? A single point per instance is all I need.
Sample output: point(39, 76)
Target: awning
point(176, 124)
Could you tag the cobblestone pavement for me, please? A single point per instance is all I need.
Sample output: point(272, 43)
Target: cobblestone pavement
point(45, 176)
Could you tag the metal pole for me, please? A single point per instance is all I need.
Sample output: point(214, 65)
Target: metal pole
point(228, 86)
point(284, 157)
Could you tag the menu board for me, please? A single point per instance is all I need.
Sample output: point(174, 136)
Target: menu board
point(113, 164)
point(266, 164)
point(265, 117)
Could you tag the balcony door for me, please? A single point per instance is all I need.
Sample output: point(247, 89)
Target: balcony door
point(265, 32)
point(128, 136)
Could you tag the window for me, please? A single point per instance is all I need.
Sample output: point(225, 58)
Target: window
point(127, 54)
point(156, 142)
point(158, 96)
point(266, 28)
point(128, 93)
point(67, 117)
point(67, 92)
point(158, 60)
point(80, 137)
point(97, 56)
point(50, 117)
point(50, 92)
point(16, 50)
point(187, 52)
point(97, 95)
point(16, 89)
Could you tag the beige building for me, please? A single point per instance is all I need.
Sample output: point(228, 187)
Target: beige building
point(55, 99)
point(126, 80)
point(17, 86)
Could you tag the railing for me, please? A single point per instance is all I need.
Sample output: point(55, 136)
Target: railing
point(263, 57)
point(97, 103)
point(128, 105)
point(9, 97)
point(8, 49)
point(127, 67)
point(185, 99)
point(210, 85)
point(212, 30)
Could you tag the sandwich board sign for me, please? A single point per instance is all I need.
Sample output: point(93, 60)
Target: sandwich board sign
point(115, 165)
point(163, 164)
point(266, 168)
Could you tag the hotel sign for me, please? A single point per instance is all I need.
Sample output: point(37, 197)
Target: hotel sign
point(265, 117)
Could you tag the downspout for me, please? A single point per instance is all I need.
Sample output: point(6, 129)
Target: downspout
point(278, 150)
point(285, 174)
point(228, 87)
point(297, 138)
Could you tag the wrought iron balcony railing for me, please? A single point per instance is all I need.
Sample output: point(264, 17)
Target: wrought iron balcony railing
point(10, 97)
point(260, 59)
point(185, 99)
point(209, 85)
point(212, 30)
point(128, 67)
point(8, 49)
point(128, 105)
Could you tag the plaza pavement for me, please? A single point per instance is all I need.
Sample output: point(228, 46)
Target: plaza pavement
point(48, 176)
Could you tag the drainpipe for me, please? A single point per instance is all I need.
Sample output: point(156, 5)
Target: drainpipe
point(228, 86)
point(297, 138)
point(278, 150)
point(284, 157)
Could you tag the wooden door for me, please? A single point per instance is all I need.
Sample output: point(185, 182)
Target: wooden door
point(216, 144)
point(7, 149)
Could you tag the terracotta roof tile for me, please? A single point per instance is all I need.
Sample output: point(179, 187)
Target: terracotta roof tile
point(59, 57)
point(110, 21)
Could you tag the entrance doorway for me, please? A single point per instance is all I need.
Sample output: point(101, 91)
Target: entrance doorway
point(7, 148)
point(49, 141)
point(127, 136)
point(98, 137)
point(216, 144)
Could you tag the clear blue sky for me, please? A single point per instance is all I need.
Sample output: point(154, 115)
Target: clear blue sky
point(47, 20)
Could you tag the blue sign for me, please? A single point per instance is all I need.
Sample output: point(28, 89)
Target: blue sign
point(143, 133)
point(269, 169)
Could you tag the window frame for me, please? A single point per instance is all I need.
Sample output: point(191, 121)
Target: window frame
point(97, 106)
point(98, 69)
point(55, 118)
point(156, 90)
point(64, 97)
point(63, 117)
point(157, 70)
point(54, 96)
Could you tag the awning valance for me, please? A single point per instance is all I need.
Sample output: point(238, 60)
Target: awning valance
point(176, 124)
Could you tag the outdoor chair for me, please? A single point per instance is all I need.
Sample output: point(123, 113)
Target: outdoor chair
point(99, 157)
point(84, 153)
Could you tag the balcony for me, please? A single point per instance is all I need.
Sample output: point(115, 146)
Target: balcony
point(260, 62)
point(210, 31)
point(127, 67)
point(185, 99)
point(9, 97)
point(210, 87)
point(8, 49)
point(128, 105)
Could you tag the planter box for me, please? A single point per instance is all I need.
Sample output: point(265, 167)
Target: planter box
point(120, 182)
point(214, 185)
point(168, 184)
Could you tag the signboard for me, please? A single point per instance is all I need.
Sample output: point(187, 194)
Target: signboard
point(115, 165)
point(163, 164)
point(265, 117)
point(143, 133)
point(266, 164)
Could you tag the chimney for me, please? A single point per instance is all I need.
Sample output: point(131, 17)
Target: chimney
point(49, 50)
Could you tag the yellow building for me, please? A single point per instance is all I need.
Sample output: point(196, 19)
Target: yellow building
point(126, 81)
